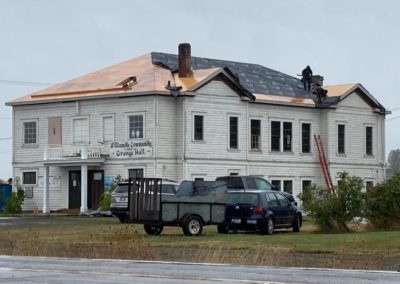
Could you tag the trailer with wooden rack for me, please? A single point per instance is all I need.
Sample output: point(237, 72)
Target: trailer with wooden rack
point(196, 204)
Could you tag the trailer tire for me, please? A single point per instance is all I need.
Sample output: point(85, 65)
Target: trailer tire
point(193, 226)
point(153, 229)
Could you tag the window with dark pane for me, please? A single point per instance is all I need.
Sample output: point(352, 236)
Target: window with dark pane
point(30, 132)
point(276, 183)
point(275, 135)
point(287, 136)
point(305, 137)
point(233, 132)
point(198, 127)
point(29, 178)
point(341, 138)
point(255, 136)
point(135, 173)
point(305, 185)
point(135, 126)
point(288, 186)
point(368, 140)
point(369, 185)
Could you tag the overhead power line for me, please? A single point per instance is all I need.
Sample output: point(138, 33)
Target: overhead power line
point(23, 83)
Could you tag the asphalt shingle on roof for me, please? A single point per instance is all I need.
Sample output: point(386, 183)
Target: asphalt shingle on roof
point(255, 78)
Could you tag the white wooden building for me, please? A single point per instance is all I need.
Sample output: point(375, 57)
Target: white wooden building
point(183, 117)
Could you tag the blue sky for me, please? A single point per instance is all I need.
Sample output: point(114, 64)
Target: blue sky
point(46, 41)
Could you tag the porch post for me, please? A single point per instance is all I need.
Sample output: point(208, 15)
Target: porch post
point(84, 181)
point(45, 209)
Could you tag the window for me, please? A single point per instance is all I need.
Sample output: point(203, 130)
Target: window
point(305, 185)
point(135, 129)
point(135, 173)
point(233, 132)
point(368, 140)
point(255, 135)
point(80, 130)
point(305, 137)
point(287, 136)
point(288, 186)
point(283, 201)
point(108, 128)
point(29, 178)
point(275, 135)
point(30, 132)
point(276, 183)
point(272, 200)
point(369, 185)
point(278, 131)
point(341, 138)
point(198, 179)
point(198, 127)
point(262, 183)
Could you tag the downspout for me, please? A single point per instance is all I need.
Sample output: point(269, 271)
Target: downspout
point(155, 135)
point(247, 138)
point(13, 144)
point(184, 138)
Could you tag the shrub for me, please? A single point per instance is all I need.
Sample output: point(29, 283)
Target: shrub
point(332, 211)
point(105, 199)
point(383, 203)
point(14, 202)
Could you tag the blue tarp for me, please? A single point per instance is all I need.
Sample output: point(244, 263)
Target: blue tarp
point(5, 192)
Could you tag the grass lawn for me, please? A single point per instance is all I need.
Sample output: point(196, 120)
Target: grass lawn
point(107, 238)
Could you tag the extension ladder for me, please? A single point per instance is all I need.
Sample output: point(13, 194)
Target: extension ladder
point(324, 164)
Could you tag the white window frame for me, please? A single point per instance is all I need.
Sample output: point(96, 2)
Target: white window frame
point(345, 138)
point(365, 140)
point(203, 114)
point(29, 171)
point(23, 132)
point(88, 130)
point(229, 132)
point(102, 127)
point(281, 121)
point(282, 182)
point(301, 136)
point(203, 176)
point(365, 183)
point(261, 134)
point(143, 114)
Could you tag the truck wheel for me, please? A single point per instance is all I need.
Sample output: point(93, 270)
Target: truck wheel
point(296, 223)
point(123, 218)
point(153, 229)
point(193, 226)
point(223, 228)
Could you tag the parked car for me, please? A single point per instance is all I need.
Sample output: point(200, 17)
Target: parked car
point(119, 197)
point(260, 210)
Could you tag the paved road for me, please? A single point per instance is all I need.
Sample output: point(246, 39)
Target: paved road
point(21, 269)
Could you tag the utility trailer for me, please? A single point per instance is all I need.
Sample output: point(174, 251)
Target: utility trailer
point(196, 204)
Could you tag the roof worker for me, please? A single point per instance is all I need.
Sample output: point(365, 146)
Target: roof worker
point(320, 93)
point(306, 78)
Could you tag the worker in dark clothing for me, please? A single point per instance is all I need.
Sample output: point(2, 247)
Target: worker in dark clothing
point(320, 93)
point(306, 78)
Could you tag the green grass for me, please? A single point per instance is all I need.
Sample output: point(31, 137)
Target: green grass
point(107, 238)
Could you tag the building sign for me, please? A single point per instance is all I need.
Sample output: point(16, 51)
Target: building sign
point(131, 150)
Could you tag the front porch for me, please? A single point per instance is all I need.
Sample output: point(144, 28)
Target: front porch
point(78, 181)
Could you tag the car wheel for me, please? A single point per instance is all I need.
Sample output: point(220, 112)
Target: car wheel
point(153, 229)
point(123, 218)
point(223, 228)
point(193, 226)
point(296, 223)
point(270, 226)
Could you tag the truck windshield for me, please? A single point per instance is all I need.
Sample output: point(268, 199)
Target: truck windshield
point(242, 198)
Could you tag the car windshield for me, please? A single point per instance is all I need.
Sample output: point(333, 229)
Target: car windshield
point(121, 188)
point(242, 198)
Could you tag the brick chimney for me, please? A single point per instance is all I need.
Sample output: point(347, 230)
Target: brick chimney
point(184, 60)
